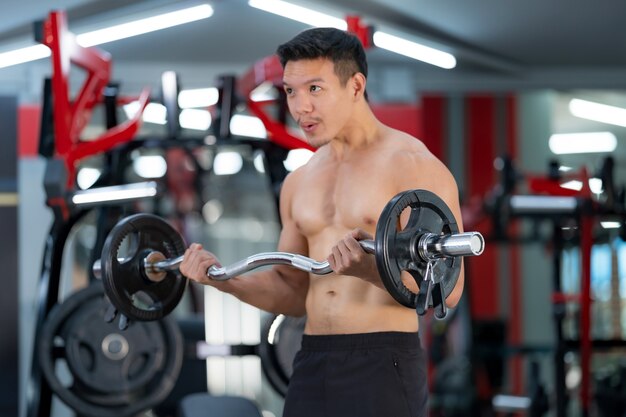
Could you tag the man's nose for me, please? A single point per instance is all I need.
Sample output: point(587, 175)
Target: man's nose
point(302, 105)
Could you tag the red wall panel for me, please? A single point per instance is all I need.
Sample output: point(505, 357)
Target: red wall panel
point(28, 121)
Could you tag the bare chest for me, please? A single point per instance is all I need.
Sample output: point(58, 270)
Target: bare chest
point(338, 202)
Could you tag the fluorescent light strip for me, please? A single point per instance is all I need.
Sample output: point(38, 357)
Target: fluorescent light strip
point(611, 225)
point(115, 193)
point(511, 403)
point(592, 142)
point(113, 33)
point(298, 13)
point(542, 204)
point(147, 25)
point(19, 56)
point(199, 97)
point(414, 50)
point(381, 39)
point(598, 112)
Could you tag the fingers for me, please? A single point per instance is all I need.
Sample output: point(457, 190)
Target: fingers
point(360, 234)
point(347, 253)
point(196, 263)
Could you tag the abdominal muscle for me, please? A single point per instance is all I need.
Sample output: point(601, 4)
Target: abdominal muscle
point(340, 304)
point(346, 307)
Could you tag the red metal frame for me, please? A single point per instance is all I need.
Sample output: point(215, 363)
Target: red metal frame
point(270, 70)
point(363, 32)
point(71, 117)
point(586, 222)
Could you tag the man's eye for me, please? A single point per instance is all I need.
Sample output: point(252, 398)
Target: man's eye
point(288, 90)
point(315, 88)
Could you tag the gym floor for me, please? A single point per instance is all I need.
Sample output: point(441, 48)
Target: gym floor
point(530, 122)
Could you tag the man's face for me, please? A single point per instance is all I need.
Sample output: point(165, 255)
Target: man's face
point(317, 101)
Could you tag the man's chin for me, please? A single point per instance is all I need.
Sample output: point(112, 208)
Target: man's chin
point(316, 141)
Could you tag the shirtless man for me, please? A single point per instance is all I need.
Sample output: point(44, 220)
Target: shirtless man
point(361, 353)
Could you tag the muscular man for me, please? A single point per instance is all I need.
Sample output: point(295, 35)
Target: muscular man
point(361, 353)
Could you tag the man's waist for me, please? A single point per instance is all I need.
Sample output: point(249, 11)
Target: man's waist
point(356, 341)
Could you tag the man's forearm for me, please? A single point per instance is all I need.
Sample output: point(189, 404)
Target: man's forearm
point(268, 290)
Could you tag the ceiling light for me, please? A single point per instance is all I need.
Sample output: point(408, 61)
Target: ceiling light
point(381, 39)
point(595, 185)
point(227, 163)
point(113, 33)
point(592, 142)
point(147, 25)
point(414, 50)
point(150, 166)
point(259, 161)
point(19, 56)
point(153, 113)
point(611, 225)
point(87, 177)
point(195, 119)
point(598, 112)
point(116, 193)
point(264, 92)
point(299, 13)
point(296, 158)
point(241, 125)
point(199, 97)
point(521, 204)
point(212, 211)
point(573, 185)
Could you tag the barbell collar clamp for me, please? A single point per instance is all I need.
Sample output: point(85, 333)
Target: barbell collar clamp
point(431, 246)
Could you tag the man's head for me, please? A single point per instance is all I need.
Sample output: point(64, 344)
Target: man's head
point(343, 49)
point(324, 78)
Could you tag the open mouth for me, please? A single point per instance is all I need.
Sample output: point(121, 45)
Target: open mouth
point(308, 127)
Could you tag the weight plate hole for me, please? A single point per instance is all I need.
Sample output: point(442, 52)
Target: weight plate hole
point(127, 248)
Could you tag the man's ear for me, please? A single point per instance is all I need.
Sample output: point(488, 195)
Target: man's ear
point(358, 83)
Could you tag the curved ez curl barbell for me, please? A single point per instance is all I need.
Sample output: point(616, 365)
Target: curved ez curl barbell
point(146, 284)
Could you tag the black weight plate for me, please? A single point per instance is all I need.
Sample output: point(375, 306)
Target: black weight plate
point(281, 337)
point(111, 383)
point(124, 278)
point(108, 360)
point(396, 250)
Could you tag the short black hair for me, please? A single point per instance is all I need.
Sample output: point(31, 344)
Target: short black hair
point(344, 49)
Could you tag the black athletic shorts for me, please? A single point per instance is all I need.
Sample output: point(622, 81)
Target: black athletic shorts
point(359, 375)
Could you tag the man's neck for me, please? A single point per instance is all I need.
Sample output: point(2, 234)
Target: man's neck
point(361, 131)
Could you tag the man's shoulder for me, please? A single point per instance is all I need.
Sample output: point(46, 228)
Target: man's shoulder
point(407, 154)
point(404, 148)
